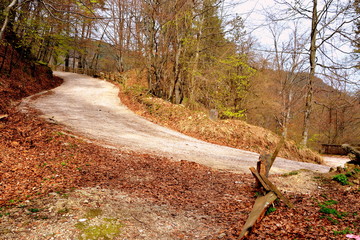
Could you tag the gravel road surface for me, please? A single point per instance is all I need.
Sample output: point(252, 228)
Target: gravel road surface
point(91, 108)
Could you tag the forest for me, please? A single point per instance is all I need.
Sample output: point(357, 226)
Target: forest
point(202, 54)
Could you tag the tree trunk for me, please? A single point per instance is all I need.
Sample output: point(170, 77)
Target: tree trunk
point(287, 116)
point(175, 88)
point(67, 61)
point(310, 87)
point(195, 64)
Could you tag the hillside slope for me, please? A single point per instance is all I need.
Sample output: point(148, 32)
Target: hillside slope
point(232, 133)
point(20, 77)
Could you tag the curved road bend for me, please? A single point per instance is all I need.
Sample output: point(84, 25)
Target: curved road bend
point(91, 108)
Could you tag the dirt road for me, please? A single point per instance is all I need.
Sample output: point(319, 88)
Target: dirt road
point(91, 108)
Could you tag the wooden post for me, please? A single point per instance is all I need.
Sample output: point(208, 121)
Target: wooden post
point(276, 191)
point(257, 213)
point(259, 179)
point(261, 176)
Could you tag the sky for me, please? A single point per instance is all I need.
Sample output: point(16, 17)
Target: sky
point(252, 11)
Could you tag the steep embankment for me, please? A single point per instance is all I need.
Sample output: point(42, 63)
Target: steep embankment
point(232, 133)
point(20, 77)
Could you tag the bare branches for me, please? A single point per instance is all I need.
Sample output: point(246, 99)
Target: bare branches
point(329, 22)
point(52, 9)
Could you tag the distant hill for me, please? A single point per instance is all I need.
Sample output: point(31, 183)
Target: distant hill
point(336, 113)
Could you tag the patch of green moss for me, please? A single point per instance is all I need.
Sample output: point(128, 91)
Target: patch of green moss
point(292, 173)
point(108, 229)
point(93, 212)
point(343, 232)
point(341, 178)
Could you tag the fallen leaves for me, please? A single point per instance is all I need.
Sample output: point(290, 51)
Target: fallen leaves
point(46, 160)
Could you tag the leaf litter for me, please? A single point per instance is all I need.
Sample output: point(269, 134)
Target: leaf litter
point(50, 180)
point(63, 177)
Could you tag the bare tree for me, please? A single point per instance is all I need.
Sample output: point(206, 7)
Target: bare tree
point(289, 63)
point(328, 20)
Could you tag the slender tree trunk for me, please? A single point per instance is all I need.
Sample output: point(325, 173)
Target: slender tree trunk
point(67, 61)
point(6, 14)
point(74, 61)
point(175, 87)
point(178, 90)
point(94, 61)
point(195, 64)
point(121, 37)
point(287, 116)
point(152, 55)
point(310, 87)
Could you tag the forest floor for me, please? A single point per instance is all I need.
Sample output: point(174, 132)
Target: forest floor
point(56, 184)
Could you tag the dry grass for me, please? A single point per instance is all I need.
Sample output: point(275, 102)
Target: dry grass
point(232, 133)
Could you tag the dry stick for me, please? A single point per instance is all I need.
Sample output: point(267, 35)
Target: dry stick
point(257, 213)
point(276, 152)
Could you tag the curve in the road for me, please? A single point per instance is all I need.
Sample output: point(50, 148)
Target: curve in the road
point(92, 108)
